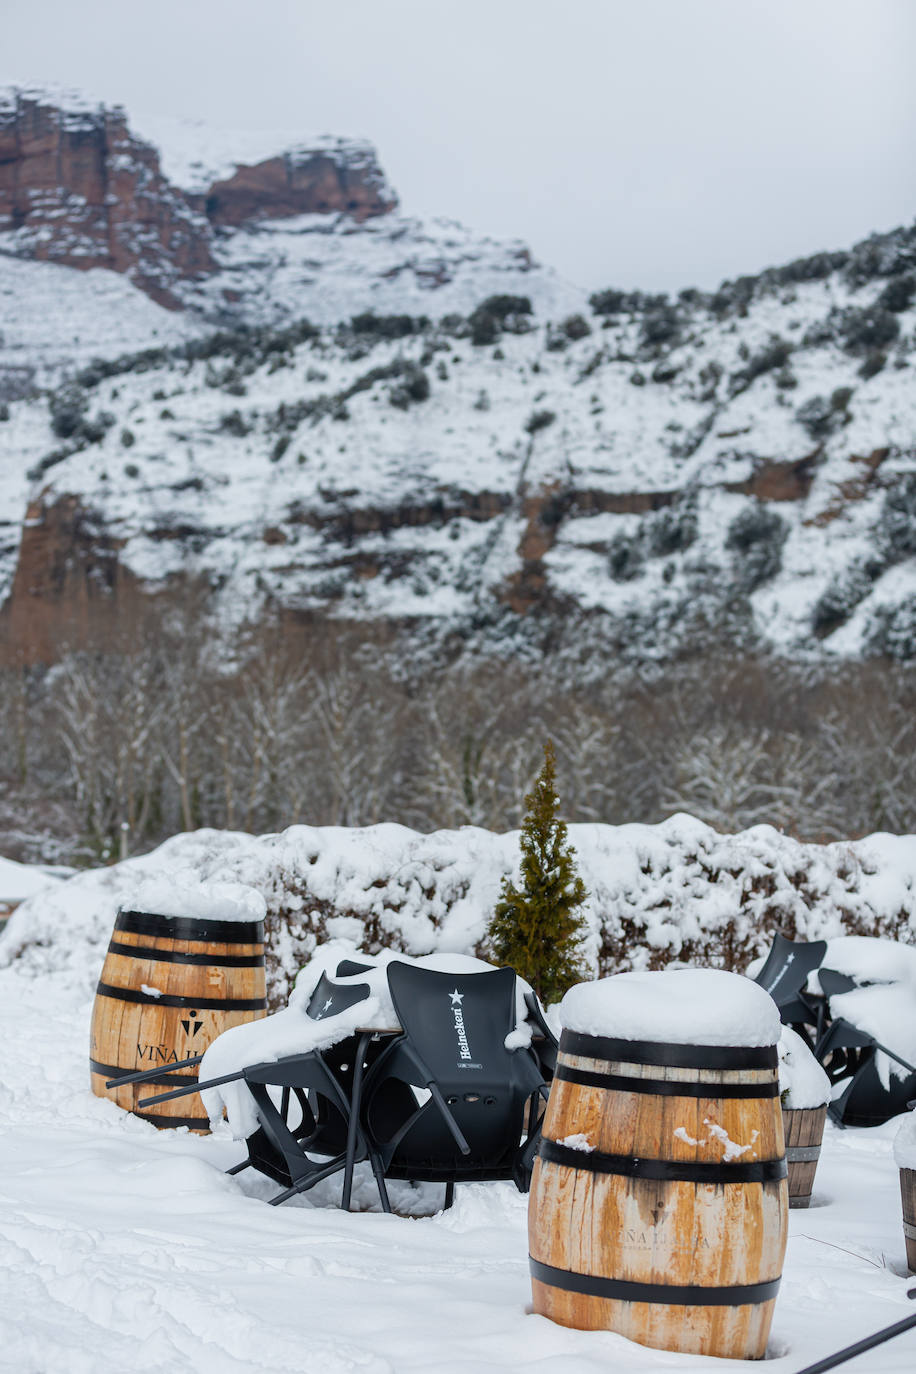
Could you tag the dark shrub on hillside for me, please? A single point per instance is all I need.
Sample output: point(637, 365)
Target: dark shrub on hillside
point(814, 268)
point(576, 327)
point(756, 537)
point(660, 325)
point(69, 419)
point(892, 632)
point(733, 297)
point(412, 387)
point(68, 411)
point(881, 255)
point(898, 294)
point(775, 354)
point(610, 302)
point(234, 423)
point(673, 528)
point(4, 412)
point(664, 372)
point(709, 376)
point(387, 326)
point(538, 420)
point(822, 415)
point(867, 329)
point(817, 417)
point(821, 332)
point(50, 460)
point(484, 329)
point(873, 364)
point(506, 309)
point(896, 529)
point(626, 557)
point(498, 313)
point(837, 603)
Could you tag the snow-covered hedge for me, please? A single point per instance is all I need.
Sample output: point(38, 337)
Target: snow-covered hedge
point(678, 891)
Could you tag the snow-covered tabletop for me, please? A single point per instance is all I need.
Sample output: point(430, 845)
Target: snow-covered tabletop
point(293, 1031)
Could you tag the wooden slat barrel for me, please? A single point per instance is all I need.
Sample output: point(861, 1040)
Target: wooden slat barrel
point(169, 986)
point(659, 1201)
point(804, 1129)
point(908, 1197)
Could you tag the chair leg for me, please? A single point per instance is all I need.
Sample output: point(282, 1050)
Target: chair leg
point(449, 1194)
point(353, 1123)
point(379, 1173)
point(237, 1168)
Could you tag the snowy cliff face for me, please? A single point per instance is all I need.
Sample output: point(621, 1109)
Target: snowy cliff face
point(226, 226)
point(78, 188)
point(401, 422)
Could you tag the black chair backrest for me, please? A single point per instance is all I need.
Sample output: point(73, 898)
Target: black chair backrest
point(347, 968)
point(455, 1027)
point(457, 1022)
point(330, 998)
point(833, 984)
point(787, 967)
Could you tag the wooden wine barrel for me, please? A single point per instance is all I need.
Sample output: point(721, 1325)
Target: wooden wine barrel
point(908, 1196)
point(169, 986)
point(659, 1202)
point(804, 1129)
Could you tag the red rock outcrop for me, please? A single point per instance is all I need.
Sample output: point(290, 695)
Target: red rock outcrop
point(341, 178)
point(78, 188)
point(69, 582)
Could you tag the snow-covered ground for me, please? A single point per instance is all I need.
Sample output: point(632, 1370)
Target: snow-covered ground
point(123, 1247)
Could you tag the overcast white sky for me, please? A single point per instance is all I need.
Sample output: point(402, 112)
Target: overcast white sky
point(653, 143)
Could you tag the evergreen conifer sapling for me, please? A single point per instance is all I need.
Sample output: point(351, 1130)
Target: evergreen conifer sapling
point(536, 927)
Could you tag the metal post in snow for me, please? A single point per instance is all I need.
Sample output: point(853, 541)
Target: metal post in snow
point(869, 1343)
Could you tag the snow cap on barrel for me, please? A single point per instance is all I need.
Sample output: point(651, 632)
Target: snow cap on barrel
point(183, 896)
point(674, 1006)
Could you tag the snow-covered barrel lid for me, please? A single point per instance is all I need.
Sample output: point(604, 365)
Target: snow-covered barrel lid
point(185, 899)
point(674, 1007)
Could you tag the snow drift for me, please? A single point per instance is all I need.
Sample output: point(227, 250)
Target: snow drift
point(673, 893)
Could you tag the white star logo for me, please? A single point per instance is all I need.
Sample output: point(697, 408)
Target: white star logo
point(456, 996)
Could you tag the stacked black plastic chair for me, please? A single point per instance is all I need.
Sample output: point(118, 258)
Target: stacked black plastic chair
point(784, 976)
point(313, 1116)
point(471, 1095)
point(849, 1053)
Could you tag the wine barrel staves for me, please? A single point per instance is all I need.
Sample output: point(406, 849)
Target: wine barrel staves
point(908, 1198)
point(659, 1202)
point(804, 1128)
point(169, 986)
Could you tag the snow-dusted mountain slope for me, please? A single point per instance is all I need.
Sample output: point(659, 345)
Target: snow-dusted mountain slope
point(740, 465)
point(400, 419)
